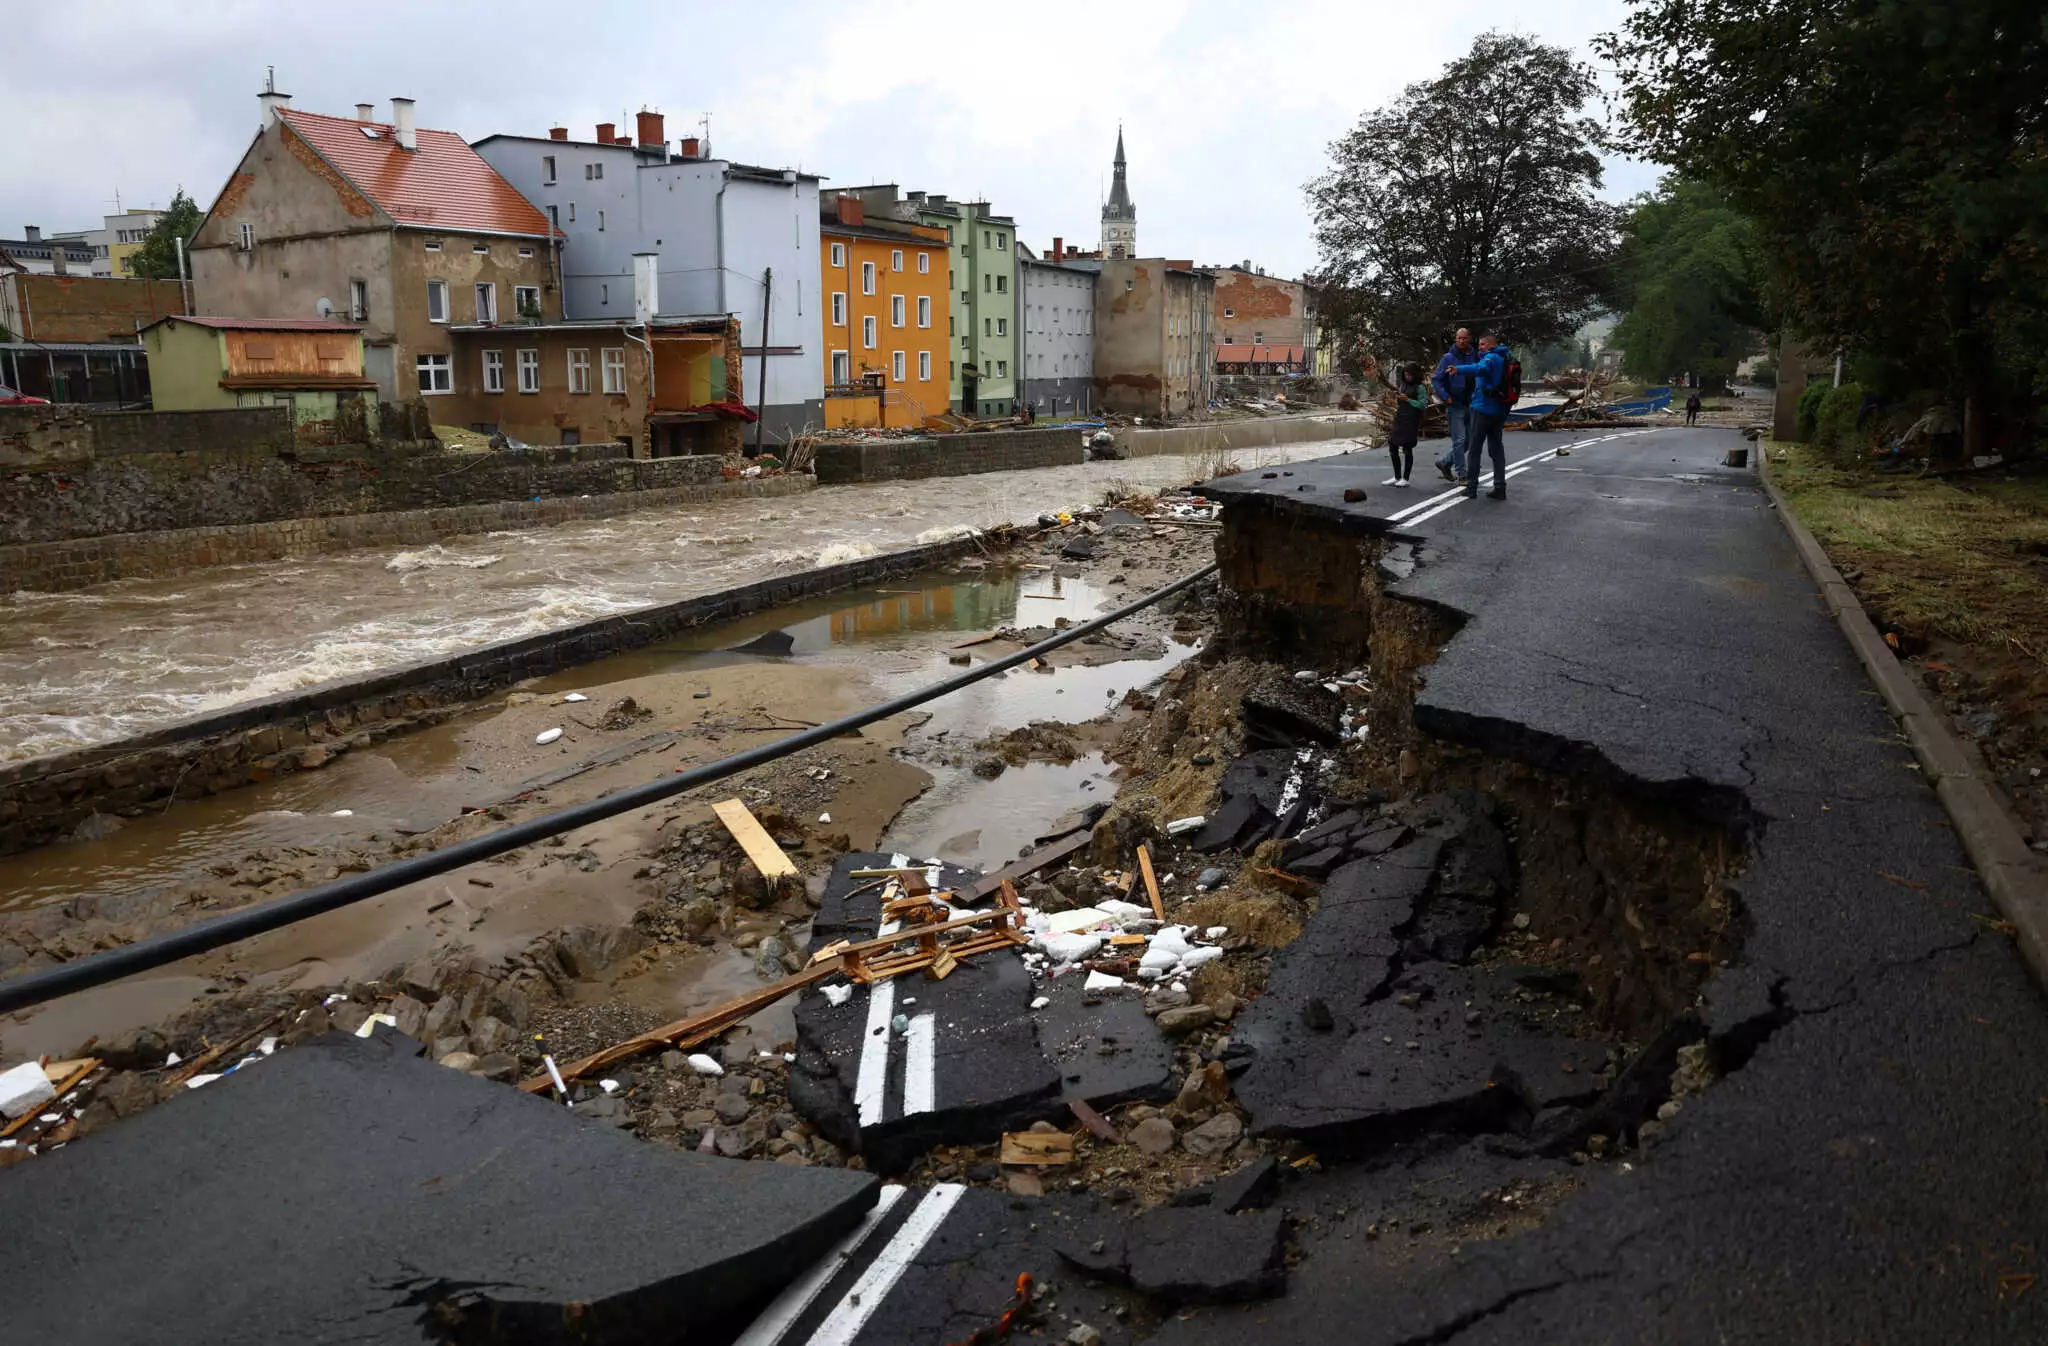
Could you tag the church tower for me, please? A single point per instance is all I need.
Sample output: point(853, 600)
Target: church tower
point(1119, 216)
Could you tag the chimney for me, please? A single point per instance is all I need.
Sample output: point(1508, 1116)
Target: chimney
point(272, 103)
point(622, 140)
point(651, 130)
point(1059, 249)
point(366, 112)
point(402, 128)
point(852, 210)
point(558, 133)
point(31, 233)
point(646, 287)
point(607, 132)
point(60, 261)
point(686, 148)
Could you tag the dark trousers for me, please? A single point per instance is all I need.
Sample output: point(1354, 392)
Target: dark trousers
point(1404, 459)
point(1485, 438)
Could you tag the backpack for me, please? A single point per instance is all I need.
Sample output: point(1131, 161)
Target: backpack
point(1510, 389)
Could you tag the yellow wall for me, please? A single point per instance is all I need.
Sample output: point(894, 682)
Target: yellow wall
point(911, 398)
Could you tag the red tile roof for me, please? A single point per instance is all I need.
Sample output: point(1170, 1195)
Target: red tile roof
point(269, 324)
point(443, 184)
point(1244, 353)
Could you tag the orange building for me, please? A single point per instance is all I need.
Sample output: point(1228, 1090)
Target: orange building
point(887, 329)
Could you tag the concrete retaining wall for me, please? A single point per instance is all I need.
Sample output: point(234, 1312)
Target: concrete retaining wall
point(1238, 435)
point(947, 455)
point(54, 567)
point(45, 798)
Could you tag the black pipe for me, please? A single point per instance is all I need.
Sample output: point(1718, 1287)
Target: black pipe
point(98, 969)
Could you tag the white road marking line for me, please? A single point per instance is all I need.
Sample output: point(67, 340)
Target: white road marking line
point(920, 1065)
point(851, 1314)
point(778, 1317)
point(1515, 469)
point(871, 1084)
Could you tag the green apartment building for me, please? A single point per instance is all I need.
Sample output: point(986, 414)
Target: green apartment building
point(984, 377)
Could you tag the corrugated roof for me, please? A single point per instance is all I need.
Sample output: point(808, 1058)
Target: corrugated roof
point(443, 184)
point(1246, 353)
point(268, 324)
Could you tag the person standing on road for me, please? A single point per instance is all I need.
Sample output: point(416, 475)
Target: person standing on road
point(1692, 408)
point(1454, 390)
point(1495, 379)
point(1411, 398)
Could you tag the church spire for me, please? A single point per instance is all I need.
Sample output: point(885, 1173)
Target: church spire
point(1119, 216)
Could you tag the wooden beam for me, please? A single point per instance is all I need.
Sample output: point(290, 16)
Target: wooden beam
point(1028, 866)
point(754, 840)
point(1151, 882)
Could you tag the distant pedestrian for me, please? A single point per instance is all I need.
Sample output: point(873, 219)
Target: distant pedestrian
point(1497, 386)
point(1454, 390)
point(1411, 396)
point(1692, 409)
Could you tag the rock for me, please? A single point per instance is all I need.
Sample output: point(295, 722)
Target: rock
point(1081, 548)
point(347, 1016)
point(141, 1049)
point(605, 1108)
point(410, 1013)
point(1213, 877)
point(1225, 1005)
point(697, 917)
point(1214, 1136)
point(732, 1109)
point(1315, 1014)
point(1153, 1136)
point(1084, 1335)
point(675, 1063)
point(459, 1060)
point(1180, 1022)
point(1252, 1187)
point(97, 826)
point(990, 767)
point(1166, 996)
point(1202, 759)
point(500, 1066)
point(491, 1034)
point(1023, 1183)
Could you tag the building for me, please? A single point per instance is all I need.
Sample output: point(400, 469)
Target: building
point(1253, 360)
point(115, 243)
point(313, 366)
point(729, 238)
point(983, 374)
point(1253, 308)
point(57, 255)
point(1056, 341)
point(1154, 344)
point(73, 337)
point(887, 289)
point(1119, 216)
point(403, 230)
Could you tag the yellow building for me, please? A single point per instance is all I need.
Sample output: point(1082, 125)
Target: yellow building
point(885, 316)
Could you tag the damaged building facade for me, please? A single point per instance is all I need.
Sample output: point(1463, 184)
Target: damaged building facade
point(1154, 343)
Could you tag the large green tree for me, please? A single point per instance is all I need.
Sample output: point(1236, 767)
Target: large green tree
point(157, 258)
point(1689, 265)
point(1470, 200)
point(1893, 154)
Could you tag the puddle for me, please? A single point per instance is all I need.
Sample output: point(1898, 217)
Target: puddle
point(985, 824)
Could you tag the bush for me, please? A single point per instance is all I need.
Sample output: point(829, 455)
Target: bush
point(1765, 374)
point(1837, 431)
point(1809, 408)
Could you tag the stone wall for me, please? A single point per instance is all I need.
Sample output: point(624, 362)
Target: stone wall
point(53, 567)
point(1225, 435)
point(947, 455)
point(46, 798)
point(238, 430)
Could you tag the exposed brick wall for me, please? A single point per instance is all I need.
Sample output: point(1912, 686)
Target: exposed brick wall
point(947, 455)
point(53, 567)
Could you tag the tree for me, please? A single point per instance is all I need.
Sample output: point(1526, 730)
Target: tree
point(1689, 264)
point(1891, 155)
point(157, 258)
point(1470, 200)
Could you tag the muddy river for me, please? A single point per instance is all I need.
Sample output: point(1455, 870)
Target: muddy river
point(102, 663)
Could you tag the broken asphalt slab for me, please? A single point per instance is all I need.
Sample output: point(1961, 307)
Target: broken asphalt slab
point(345, 1190)
point(1184, 1254)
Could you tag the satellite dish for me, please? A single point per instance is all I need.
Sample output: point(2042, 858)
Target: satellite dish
point(324, 307)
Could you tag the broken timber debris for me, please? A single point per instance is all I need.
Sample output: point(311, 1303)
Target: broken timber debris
point(1045, 1148)
point(754, 840)
point(1151, 881)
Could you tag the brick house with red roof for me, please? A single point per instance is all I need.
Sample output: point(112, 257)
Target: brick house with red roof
point(405, 232)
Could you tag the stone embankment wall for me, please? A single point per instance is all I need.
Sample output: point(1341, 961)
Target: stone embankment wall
point(1229, 435)
point(1057, 446)
point(44, 799)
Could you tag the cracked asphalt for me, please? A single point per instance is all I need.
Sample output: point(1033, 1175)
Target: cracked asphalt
point(1871, 1169)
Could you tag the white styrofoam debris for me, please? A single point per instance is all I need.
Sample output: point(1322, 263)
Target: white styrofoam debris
point(1151, 973)
point(838, 995)
point(197, 1080)
point(1158, 960)
point(1068, 948)
point(1124, 911)
point(1102, 981)
point(334, 999)
point(342, 813)
point(1080, 918)
point(577, 696)
point(268, 1046)
point(1216, 932)
point(705, 1065)
point(824, 817)
point(1194, 958)
point(174, 1058)
point(547, 736)
point(1041, 1002)
point(609, 1086)
point(23, 1089)
point(1180, 825)
point(1305, 675)
point(369, 1025)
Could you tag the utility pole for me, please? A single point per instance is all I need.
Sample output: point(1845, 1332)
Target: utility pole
point(761, 401)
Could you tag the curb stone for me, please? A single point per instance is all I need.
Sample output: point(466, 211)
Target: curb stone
point(2012, 873)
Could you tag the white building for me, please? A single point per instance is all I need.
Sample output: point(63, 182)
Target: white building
point(1056, 342)
point(729, 236)
point(55, 255)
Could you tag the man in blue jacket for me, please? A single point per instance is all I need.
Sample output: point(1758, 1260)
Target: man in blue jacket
point(1454, 390)
point(1489, 416)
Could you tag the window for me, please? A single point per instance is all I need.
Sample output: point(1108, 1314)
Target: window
point(579, 371)
point(867, 277)
point(867, 331)
point(839, 308)
point(1002, 327)
point(604, 294)
point(359, 299)
point(842, 367)
point(437, 301)
point(555, 216)
point(600, 221)
point(481, 249)
point(494, 371)
point(572, 212)
point(1230, 313)
point(988, 327)
point(896, 365)
point(1002, 243)
point(593, 171)
point(487, 303)
point(526, 252)
point(952, 370)
point(431, 245)
point(924, 310)
point(614, 369)
point(1258, 337)
point(248, 238)
point(529, 371)
point(924, 264)
point(526, 301)
point(896, 310)
point(435, 375)
point(984, 238)
point(988, 284)
point(1002, 369)
point(547, 170)
point(924, 366)
point(896, 259)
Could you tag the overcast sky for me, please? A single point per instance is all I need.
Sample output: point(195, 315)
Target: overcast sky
point(1227, 109)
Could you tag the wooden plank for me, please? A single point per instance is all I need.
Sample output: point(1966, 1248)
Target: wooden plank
point(1128, 941)
point(67, 1078)
point(1045, 1148)
point(978, 640)
point(942, 966)
point(1151, 881)
point(1028, 866)
point(754, 840)
point(832, 950)
point(1094, 1121)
